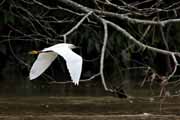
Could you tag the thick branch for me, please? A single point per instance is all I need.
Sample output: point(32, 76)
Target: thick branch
point(136, 41)
point(102, 56)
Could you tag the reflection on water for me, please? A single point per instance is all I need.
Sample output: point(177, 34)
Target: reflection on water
point(84, 89)
point(52, 90)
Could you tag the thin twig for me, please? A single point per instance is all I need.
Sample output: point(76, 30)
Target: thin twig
point(83, 80)
point(2, 2)
point(14, 55)
point(76, 26)
point(175, 66)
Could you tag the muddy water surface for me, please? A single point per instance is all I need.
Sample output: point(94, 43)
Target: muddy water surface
point(88, 108)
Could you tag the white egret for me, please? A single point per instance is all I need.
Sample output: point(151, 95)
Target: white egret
point(48, 55)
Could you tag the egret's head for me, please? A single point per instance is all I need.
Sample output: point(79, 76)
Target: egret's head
point(72, 46)
point(33, 52)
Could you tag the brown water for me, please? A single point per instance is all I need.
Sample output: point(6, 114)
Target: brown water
point(88, 108)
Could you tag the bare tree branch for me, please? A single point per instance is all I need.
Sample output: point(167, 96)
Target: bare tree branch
point(76, 26)
point(44, 27)
point(102, 56)
point(175, 66)
point(83, 80)
point(143, 46)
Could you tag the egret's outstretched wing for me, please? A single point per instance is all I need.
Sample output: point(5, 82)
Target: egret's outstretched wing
point(73, 62)
point(42, 62)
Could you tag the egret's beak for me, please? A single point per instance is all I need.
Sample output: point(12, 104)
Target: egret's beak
point(33, 52)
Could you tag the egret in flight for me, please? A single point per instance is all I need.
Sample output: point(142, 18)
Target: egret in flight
point(48, 55)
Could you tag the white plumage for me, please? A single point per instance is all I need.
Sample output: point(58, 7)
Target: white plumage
point(48, 55)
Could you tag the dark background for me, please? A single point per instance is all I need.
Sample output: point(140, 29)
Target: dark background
point(24, 27)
